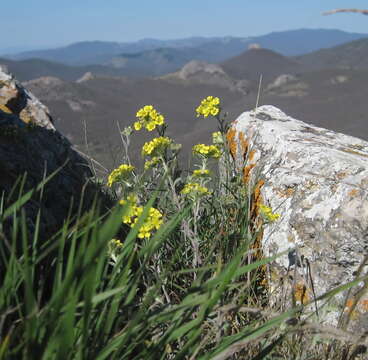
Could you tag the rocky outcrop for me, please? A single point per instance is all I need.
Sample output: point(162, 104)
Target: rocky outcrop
point(44, 81)
point(287, 85)
point(316, 179)
point(29, 144)
point(86, 77)
point(201, 72)
point(280, 81)
point(22, 103)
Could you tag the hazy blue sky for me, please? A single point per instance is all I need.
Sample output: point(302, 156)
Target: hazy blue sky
point(58, 22)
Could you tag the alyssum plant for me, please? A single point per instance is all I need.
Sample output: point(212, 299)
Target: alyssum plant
point(183, 282)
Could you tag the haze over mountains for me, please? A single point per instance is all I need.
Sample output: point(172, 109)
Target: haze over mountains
point(289, 43)
point(326, 87)
point(150, 57)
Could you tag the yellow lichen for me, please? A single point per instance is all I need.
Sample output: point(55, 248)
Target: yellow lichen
point(301, 293)
point(5, 109)
point(25, 117)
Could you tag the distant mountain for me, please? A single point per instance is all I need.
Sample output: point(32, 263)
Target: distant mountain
point(34, 68)
point(10, 50)
point(100, 52)
point(255, 62)
point(155, 62)
point(352, 55)
point(302, 41)
point(214, 49)
point(81, 53)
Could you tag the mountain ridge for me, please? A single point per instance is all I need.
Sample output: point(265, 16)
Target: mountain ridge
point(291, 43)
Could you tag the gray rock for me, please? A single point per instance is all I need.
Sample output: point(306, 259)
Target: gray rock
point(201, 72)
point(316, 179)
point(280, 81)
point(22, 102)
point(86, 77)
point(30, 144)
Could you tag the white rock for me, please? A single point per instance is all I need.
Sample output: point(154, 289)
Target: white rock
point(317, 180)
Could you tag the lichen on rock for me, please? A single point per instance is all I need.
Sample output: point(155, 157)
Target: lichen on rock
point(316, 179)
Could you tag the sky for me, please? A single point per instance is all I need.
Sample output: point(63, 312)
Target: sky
point(52, 23)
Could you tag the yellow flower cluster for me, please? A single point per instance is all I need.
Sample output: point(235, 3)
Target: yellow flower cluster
point(217, 138)
point(266, 211)
point(149, 118)
point(121, 173)
point(155, 146)
point(209, 106)
point(152, 222)
point(151, 163)
point(201, 173)
point(194, 189)
point(207, 150)
point(115, 244)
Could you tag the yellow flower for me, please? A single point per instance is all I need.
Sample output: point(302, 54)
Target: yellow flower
point(137, 125)
point(121, 173)
point(116, 243)
point(201, 173)
point(151, 223)
point(159, 120)
point(131, 201)
point(156, 146)
point(151, 163)
point(209, 106)
point(194, 189)
point(266, 211)
point(217, 138)
point(214, 111)
point(207, 150)
point(149, 118)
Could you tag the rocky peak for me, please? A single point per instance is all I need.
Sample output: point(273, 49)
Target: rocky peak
point(201, 72)
point(44, 81)
point(195, 66)
point(86, 77)
point(23, 103)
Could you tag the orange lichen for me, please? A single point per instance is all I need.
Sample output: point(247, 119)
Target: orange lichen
point(351, 305)
point(364, 304)
point(353, 193)
point(230, 137)
point(257, 198)
point(251, 155)
point(246, 172)
point(244, 145)
point(301, 293)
